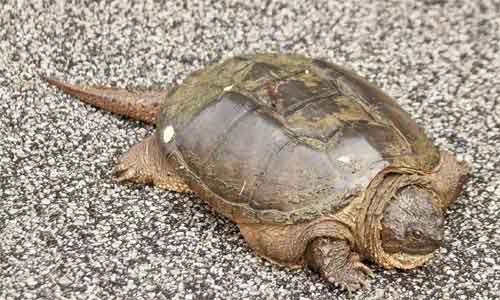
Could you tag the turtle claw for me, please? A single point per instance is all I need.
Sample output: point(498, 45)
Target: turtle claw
point(352, 280)
point(338, 264)
point(144, 163)
point(353, 276)
point(132, 166)
point(123, 173)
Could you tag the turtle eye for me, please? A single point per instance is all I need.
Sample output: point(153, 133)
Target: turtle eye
point(416, 234)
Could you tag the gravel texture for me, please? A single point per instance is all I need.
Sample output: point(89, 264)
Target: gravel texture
point(68, 231)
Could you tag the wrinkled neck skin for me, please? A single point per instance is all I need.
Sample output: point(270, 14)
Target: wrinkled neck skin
point(448, 178)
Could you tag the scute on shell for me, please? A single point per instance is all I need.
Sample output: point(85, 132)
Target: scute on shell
point(291, 140)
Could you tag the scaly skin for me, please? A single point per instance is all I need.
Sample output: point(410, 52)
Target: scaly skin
point(335, 261)
point(145, 163)
point(290, 137)
point(142, 105)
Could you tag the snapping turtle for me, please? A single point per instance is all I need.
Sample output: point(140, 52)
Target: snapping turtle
point(317, 166)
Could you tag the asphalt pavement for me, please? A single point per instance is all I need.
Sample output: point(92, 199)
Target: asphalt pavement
point(69, 231)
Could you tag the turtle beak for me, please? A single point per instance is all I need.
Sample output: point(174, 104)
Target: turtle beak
point(437, 239)
point(421, 249)
point(427, 245)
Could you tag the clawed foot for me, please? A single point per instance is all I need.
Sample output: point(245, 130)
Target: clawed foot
point(145, 163)
point(353, 276)
point(137, 164)
point(337, 263)
point(126, 171)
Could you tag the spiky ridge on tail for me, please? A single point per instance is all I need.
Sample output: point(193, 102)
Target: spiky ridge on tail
point(143, 105)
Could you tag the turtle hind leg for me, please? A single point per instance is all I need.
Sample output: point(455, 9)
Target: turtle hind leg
point(138, 104)
point(146, 163)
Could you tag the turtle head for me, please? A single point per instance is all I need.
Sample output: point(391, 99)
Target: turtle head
point(411, 223)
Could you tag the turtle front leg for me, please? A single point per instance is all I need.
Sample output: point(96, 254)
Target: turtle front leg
point(146, 163)
point(335, 261)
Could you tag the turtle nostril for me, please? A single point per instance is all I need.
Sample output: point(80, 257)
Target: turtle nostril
point(440, 238)
point(440, 235)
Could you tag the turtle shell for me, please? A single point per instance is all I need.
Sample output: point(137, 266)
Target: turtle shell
point(279, 138)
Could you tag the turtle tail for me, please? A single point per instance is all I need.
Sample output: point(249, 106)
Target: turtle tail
point(138, 104)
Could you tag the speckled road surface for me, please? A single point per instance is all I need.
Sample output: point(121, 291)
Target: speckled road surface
point(68, 231)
